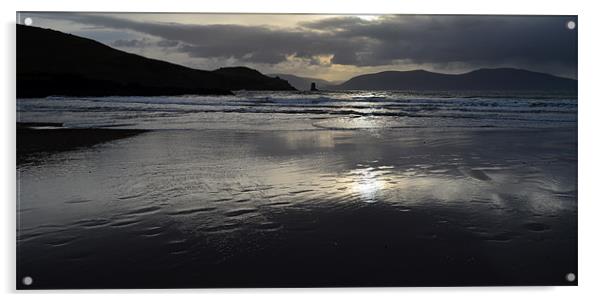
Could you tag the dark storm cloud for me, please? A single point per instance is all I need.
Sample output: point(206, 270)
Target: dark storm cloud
point(143, 43)
point(130, 43)
point(338, 23)
point(255, 44)
point(440, 39)
point(527, 40)
point(168, 43)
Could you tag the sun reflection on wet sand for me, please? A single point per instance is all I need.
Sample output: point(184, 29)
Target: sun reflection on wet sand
point(367, 184)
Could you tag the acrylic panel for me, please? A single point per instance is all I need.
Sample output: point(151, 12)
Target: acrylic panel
point(191, 150)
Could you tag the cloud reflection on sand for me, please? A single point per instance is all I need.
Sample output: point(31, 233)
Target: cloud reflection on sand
point(196, 199)
point(435, 180)
point(300, 167)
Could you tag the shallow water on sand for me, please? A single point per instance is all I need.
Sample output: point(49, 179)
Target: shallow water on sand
point(179, 208)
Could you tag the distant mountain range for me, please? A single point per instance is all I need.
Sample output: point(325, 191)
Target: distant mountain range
point(54, 63)
point(481, 79)
point(303, 83)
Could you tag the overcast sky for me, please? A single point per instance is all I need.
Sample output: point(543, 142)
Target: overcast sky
point(333, 47)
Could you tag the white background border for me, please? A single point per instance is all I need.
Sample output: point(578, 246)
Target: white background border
point(590, 117)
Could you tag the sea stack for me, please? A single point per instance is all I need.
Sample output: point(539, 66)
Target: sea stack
point(313, 87)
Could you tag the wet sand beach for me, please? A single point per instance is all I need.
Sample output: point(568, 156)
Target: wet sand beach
point(35, 139)
point(211, 208)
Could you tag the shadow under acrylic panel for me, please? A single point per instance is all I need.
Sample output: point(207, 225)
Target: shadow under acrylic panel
point(246, 150)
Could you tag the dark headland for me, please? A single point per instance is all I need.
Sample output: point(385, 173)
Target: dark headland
point(50, 62)
point(502, 79)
